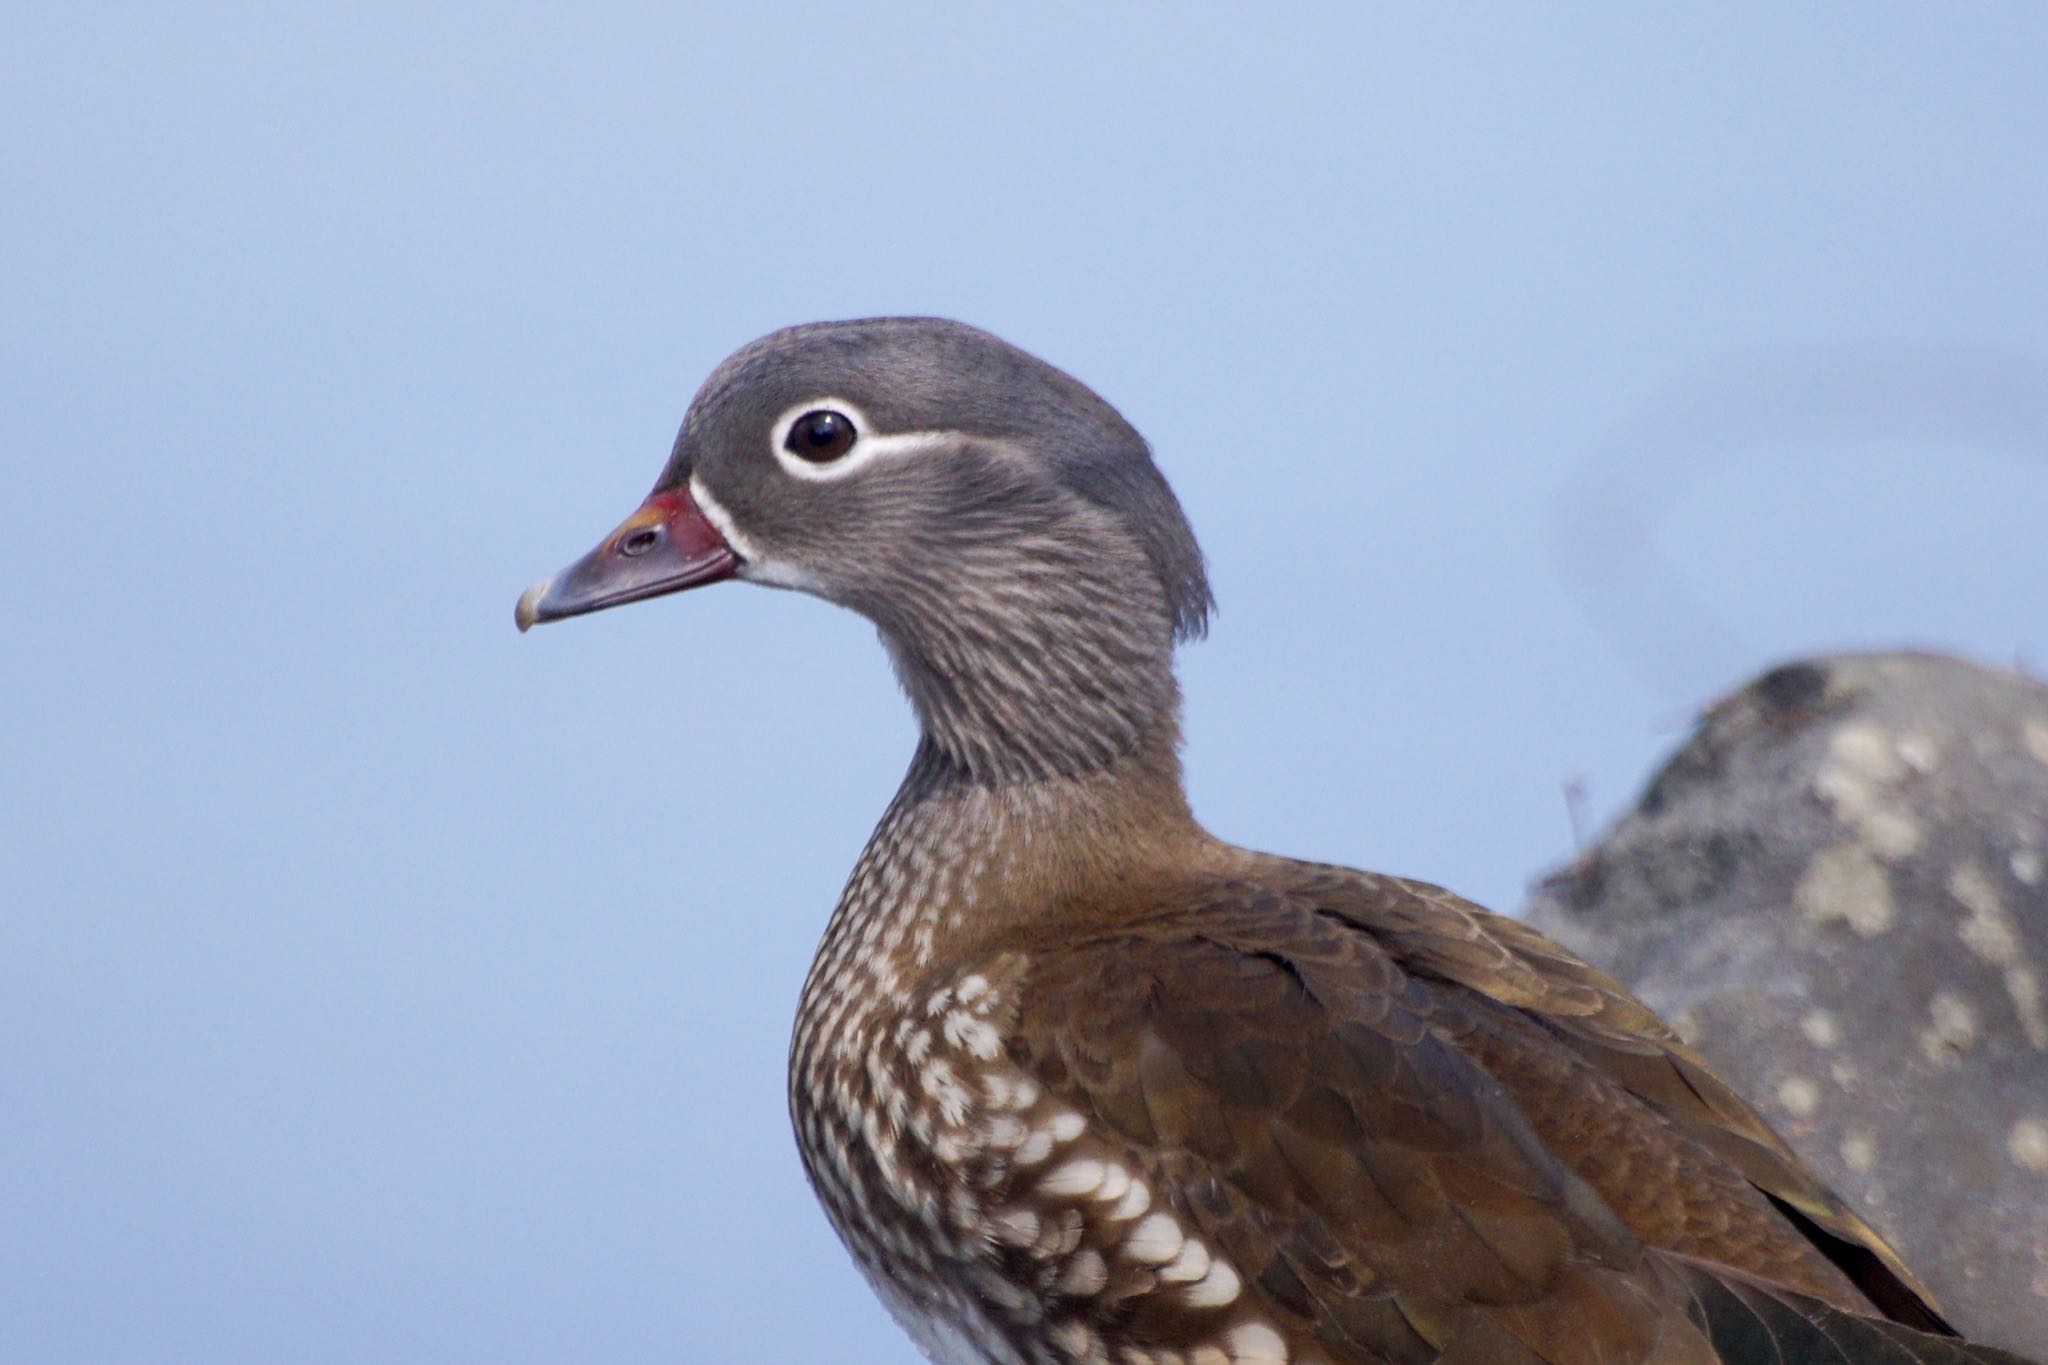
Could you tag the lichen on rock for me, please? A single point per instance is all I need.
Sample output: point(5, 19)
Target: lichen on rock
point(1837, 882)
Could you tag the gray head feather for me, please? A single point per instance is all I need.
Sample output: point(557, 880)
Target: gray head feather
point(1022, 555)
point(923, 374)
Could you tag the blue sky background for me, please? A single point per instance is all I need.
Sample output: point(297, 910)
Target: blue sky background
point(378, 985)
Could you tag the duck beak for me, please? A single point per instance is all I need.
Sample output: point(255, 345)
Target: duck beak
point(666, 546)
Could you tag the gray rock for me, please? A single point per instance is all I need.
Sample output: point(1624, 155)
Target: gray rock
point(1838, 891)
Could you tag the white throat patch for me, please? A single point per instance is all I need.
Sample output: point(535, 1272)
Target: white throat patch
point(755, 567)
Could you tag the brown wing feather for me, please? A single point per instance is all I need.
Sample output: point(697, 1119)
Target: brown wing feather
point(1382, 1196)
point(1443, 938)
point(1749, 1320)
point(1361, 1092)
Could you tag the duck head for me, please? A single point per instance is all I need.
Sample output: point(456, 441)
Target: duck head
point(1003, 526)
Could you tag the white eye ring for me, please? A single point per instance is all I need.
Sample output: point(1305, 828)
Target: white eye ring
point(868, 444)
point(822, 436)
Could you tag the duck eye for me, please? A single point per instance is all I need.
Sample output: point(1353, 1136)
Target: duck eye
point(820, 436)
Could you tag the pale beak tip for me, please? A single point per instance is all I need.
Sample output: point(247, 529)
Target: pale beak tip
point(528, 610)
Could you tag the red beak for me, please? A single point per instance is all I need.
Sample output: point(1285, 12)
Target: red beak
point(666, 546)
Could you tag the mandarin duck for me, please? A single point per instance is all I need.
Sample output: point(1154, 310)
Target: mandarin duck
point(1077, 1081)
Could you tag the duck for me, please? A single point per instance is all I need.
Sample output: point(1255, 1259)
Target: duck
point(1078, 1082)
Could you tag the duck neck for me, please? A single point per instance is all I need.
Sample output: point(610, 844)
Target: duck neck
point(1066, 673)
point(1047, 775)
point(959, 867)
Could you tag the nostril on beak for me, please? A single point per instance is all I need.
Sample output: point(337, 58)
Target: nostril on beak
point(640, 542)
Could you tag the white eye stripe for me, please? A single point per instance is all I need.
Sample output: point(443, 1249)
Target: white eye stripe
point(755, 567)
point(868, 444)
point(721, 521)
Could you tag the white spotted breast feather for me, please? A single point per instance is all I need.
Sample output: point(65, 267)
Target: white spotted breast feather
point(996, 1221)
